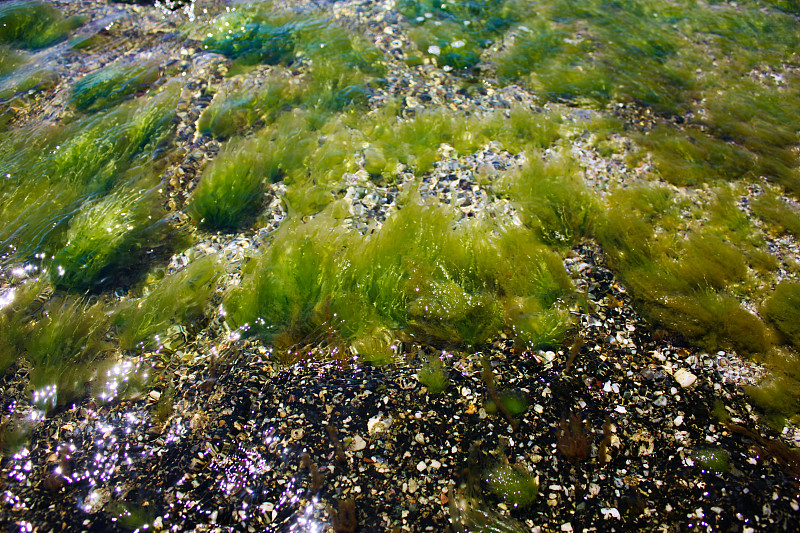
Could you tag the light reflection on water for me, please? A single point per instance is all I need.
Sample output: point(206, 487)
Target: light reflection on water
point(119, 375)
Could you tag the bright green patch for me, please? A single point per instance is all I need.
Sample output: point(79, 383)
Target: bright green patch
point(514, 401)
point(421, 273)
point(552, 199)
point(285, 290)
point(110, 85)
point(33, 25)
point(434, 376)
point(107, 241)
point(513, 484)
point(232, 189)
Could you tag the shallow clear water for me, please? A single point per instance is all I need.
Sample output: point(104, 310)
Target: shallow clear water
point(204, 206)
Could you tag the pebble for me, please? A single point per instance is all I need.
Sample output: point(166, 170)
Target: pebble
point(684, 378)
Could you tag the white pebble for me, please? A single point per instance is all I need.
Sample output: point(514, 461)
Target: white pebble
point(685, 378)
point(357, 444)
point(421, 466)
point(610, 512)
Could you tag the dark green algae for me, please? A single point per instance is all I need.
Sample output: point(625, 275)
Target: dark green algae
point(425, 275)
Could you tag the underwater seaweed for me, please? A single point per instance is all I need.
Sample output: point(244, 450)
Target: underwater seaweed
point(176, 299)
point(62, 346)
point(33, 25)
point(108, 238)
point(110, 85)
point(231, 189)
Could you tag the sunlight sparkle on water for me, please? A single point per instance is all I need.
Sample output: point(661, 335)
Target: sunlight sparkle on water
point(47, 396)
point(6, 298)
point(118, 375)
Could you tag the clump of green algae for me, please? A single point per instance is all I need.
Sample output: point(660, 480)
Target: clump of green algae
point(110, 85)
point(178, 298)
point(33, 25)
point(421, 273)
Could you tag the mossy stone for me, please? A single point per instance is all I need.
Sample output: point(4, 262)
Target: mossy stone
point(513, 484)
point(713, 459)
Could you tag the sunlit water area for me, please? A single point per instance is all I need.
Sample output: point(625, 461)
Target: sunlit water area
point(399, 265)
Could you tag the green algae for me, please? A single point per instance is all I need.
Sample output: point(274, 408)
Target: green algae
point(51, 173)
point(21, 89)
point(443, 310)
point(684, 285)
point(422, 274)
point(553, 199)
point(725, 217)
point(782, 309)
point(241, 105)
point(107, 241)
point(178, 298)
point(129, 515)
point(780, 216)
point(62, 346)
point(513, 484)
point(515, 402)
point(434, 376)
point(778, 395)
point(16, 307)
point(29, 84)
point(33, 25)
point(565, 52)
point(652, 54)
point(231, 190)
point(448, 43)
point(690, 157)
point(762, 121)
point(454, 34)
point(341, 64)
point(286, 290)
point(415, 142)
point(10, 60)
point(712, 459)
point(110, 85)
